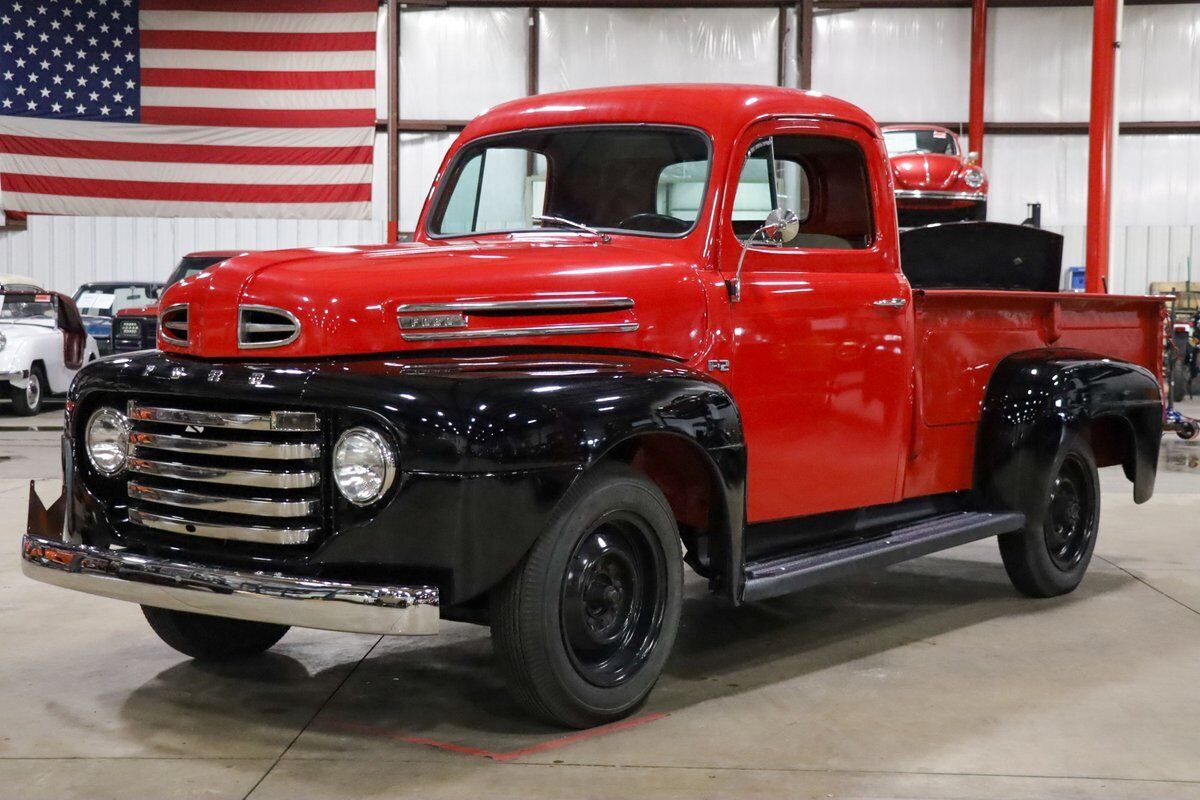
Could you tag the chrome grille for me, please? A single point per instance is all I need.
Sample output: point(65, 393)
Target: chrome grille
point(250, 477)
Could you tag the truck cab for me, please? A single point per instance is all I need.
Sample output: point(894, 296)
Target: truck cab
point(637, 328)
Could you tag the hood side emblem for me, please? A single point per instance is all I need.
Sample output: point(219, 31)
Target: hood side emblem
point(426, 322)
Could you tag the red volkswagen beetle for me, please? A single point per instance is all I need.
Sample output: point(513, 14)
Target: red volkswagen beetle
point(935, 180)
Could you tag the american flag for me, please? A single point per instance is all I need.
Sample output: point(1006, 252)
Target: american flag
point(187, 108)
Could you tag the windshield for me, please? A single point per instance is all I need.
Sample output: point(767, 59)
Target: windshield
point(37, 309)
point(193, 265)
point(920, 141)
point(641, 180)
point(106, 301)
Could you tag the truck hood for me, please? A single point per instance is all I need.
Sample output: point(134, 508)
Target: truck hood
point(925, 171)
point(532, 291)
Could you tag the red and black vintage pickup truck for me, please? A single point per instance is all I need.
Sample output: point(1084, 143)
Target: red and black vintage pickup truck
point(637, 329)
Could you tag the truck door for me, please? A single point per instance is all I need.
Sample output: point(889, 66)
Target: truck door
point(822, 325)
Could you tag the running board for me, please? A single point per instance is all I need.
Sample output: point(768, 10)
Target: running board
point(779, 575)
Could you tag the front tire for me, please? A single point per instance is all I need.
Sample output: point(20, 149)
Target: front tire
point(583, 626)
point(1049, 558)
point(27, 402)
point(208, 638)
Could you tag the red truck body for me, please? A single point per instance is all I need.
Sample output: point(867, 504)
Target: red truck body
point(724, 362)
point(906, 386)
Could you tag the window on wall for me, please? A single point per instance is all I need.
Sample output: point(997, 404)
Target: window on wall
point(823, 179)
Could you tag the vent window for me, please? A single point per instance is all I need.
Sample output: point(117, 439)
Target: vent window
point(262, 326)
point(174, 325)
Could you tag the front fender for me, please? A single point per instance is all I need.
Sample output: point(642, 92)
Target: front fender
point(1035, 398)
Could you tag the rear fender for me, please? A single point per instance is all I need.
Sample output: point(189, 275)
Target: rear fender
point(1035, 398)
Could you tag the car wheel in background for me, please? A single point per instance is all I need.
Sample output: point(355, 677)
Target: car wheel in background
point(27, 402)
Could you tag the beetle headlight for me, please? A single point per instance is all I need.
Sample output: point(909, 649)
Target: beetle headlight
point(106, 440)
point(973, 178)
point(364, 465)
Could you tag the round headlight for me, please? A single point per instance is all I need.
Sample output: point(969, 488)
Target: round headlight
point(973, 178)
point(364, 465)
point(106, 440)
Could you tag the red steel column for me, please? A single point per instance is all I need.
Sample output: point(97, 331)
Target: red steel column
point(978, 70)
point(1100, 143)
point(393, 120)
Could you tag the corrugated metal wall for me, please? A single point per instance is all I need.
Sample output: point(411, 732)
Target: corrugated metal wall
point(899, 64)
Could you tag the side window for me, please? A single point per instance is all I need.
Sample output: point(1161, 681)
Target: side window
point(498, 189)
point(680, 190)
point(823, 179)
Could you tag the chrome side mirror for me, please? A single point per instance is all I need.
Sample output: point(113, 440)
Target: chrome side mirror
point(781, 226)
point(973, 157)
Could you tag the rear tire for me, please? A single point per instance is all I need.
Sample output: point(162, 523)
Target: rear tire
point(1050, 558)
point(27, 402)
point(584, 624)
point(212, 638)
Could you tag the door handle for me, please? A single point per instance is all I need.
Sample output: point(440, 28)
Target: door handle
point(891, 302)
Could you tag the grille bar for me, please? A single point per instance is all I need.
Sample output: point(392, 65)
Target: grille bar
point(261, 507)
point(255, 478)
point(238, 475)
point(297, 421)
point(287, 451)
point(237, 533)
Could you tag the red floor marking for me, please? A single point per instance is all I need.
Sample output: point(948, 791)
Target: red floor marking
point(465, 750)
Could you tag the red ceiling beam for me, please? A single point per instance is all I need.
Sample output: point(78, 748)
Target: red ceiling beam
point(1105, 41)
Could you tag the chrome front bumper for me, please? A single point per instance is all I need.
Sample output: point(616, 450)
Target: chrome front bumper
point(256, 596)
point(920, 194)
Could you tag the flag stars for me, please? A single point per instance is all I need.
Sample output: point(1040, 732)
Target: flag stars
point(42, 43)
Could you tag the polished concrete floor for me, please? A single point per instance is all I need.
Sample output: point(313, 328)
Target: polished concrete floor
point(928, 680)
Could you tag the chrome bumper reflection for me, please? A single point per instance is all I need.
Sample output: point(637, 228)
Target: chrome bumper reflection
point(921, 194)
point(281, 599)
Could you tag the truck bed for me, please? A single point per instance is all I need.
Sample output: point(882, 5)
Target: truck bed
point(962, 334)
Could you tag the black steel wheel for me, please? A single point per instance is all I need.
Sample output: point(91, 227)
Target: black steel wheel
point(1051, 554)
point(612, 599)
point(1069, 527)
point(583, 626)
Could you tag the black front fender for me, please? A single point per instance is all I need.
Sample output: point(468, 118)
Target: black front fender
point(487, 448)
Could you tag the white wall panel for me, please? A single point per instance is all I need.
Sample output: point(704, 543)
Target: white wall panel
point(1160, 63)
point(63, 252)
point(420, 156)
point(457, 62)
point(899, 64)
point(1038, 64)
point(1051, 170)
point(1157, 179)
point(606, 47)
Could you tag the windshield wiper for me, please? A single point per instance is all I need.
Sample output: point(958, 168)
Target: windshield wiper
point(570, 223)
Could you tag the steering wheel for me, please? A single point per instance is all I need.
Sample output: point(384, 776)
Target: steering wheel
point(655, 223)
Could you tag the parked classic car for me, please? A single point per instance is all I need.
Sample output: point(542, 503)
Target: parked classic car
point(100, 302)
point(42, 346)
point(136, 327)
point(935, 181)
point(18, 283)
point(607, 353)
